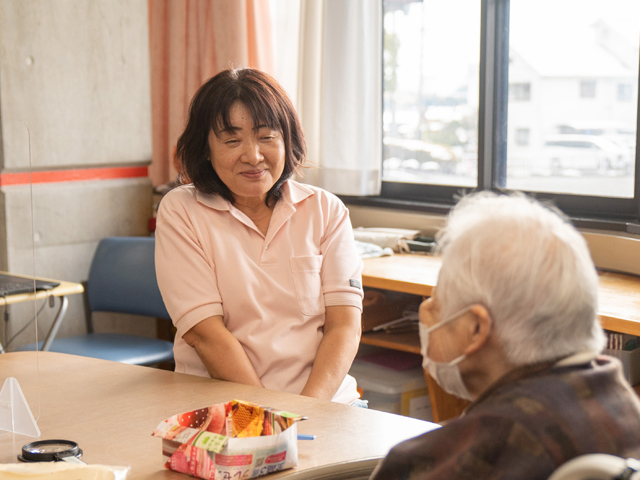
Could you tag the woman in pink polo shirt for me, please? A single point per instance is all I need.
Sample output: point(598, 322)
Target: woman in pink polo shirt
point(259, 273)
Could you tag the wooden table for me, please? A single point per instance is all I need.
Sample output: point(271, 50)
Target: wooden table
point(110, 409)
point(62, 291)
point(618, 310)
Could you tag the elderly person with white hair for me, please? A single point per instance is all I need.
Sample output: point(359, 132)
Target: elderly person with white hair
point(513, 328)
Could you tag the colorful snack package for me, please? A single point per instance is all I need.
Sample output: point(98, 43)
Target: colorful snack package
point(236, 439)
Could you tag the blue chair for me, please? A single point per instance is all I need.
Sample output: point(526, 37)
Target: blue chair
point(122, 279)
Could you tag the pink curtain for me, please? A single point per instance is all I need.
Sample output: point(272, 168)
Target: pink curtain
point(191, 41)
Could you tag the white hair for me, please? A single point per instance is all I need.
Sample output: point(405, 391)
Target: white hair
point(529, 267)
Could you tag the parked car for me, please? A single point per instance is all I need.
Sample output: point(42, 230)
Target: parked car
point(589, 153)
point(416, 153)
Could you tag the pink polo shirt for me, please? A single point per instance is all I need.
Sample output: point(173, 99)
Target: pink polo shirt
point(270, 290)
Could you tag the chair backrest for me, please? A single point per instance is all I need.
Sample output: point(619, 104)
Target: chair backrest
point(122, 278)
point(598, 466)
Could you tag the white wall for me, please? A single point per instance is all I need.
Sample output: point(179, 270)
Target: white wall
point(76, 72)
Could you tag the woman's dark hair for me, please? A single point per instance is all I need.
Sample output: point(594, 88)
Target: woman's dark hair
point(209, 110)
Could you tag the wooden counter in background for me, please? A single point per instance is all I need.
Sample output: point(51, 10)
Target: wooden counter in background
point(618, 310)
point(619, 298)
point(416, 274)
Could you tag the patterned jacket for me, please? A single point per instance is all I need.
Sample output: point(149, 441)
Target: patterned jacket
point(526, 425)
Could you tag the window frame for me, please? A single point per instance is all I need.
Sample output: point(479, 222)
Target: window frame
point(622, 214)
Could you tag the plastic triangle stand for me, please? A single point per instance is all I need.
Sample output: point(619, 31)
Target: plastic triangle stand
point(15, 414)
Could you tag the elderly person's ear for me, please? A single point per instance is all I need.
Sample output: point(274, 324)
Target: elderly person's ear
point(478, 324)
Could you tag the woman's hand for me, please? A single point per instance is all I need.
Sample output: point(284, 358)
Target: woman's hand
point(221, 353)
point(342, 329)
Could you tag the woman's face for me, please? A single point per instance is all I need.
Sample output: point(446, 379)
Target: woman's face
point(248, 160)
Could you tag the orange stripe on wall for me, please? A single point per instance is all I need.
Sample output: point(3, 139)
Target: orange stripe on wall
point(76, 175)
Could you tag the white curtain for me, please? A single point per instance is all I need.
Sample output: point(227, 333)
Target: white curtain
point(338, 89)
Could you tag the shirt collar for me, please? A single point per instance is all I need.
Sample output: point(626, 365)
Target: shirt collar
point(526, 371)
point(292, 193)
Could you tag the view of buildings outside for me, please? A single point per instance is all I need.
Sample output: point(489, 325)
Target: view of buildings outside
point(573, 94)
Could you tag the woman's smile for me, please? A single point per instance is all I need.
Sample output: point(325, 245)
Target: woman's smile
point(249, 159)
point(254, 174)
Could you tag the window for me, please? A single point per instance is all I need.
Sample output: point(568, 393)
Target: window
point(520, 92)
point(430, 117)
point(522, 137)
point(587, 89)
point(625, 92)
point(458, 89)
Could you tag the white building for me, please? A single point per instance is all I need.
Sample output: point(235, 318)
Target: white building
point(570, 82)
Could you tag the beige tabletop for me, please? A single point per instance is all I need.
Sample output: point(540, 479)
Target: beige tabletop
point(110, 409)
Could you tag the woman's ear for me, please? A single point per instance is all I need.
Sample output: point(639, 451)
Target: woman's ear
point(480, 327)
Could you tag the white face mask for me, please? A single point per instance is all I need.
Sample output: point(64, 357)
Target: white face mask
point(447, 375)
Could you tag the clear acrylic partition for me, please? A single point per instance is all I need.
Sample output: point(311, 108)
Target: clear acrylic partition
point(573, 96)
point(431, 91)
point(74, 97)
point(21, 314)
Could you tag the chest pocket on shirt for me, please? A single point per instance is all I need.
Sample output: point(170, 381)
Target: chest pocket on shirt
point(308, 282)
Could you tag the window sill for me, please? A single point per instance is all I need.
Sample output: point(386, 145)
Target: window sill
point(407, 205)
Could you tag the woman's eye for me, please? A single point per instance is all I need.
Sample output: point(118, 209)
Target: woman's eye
point(231, 142)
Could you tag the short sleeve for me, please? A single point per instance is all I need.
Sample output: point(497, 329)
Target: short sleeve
point(186, 273)
point(341, 266)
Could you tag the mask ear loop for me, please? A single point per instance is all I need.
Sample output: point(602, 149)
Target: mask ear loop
point(450, 318)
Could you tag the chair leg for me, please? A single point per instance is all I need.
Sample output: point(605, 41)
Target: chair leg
point(53, 331)
point(87, 311)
